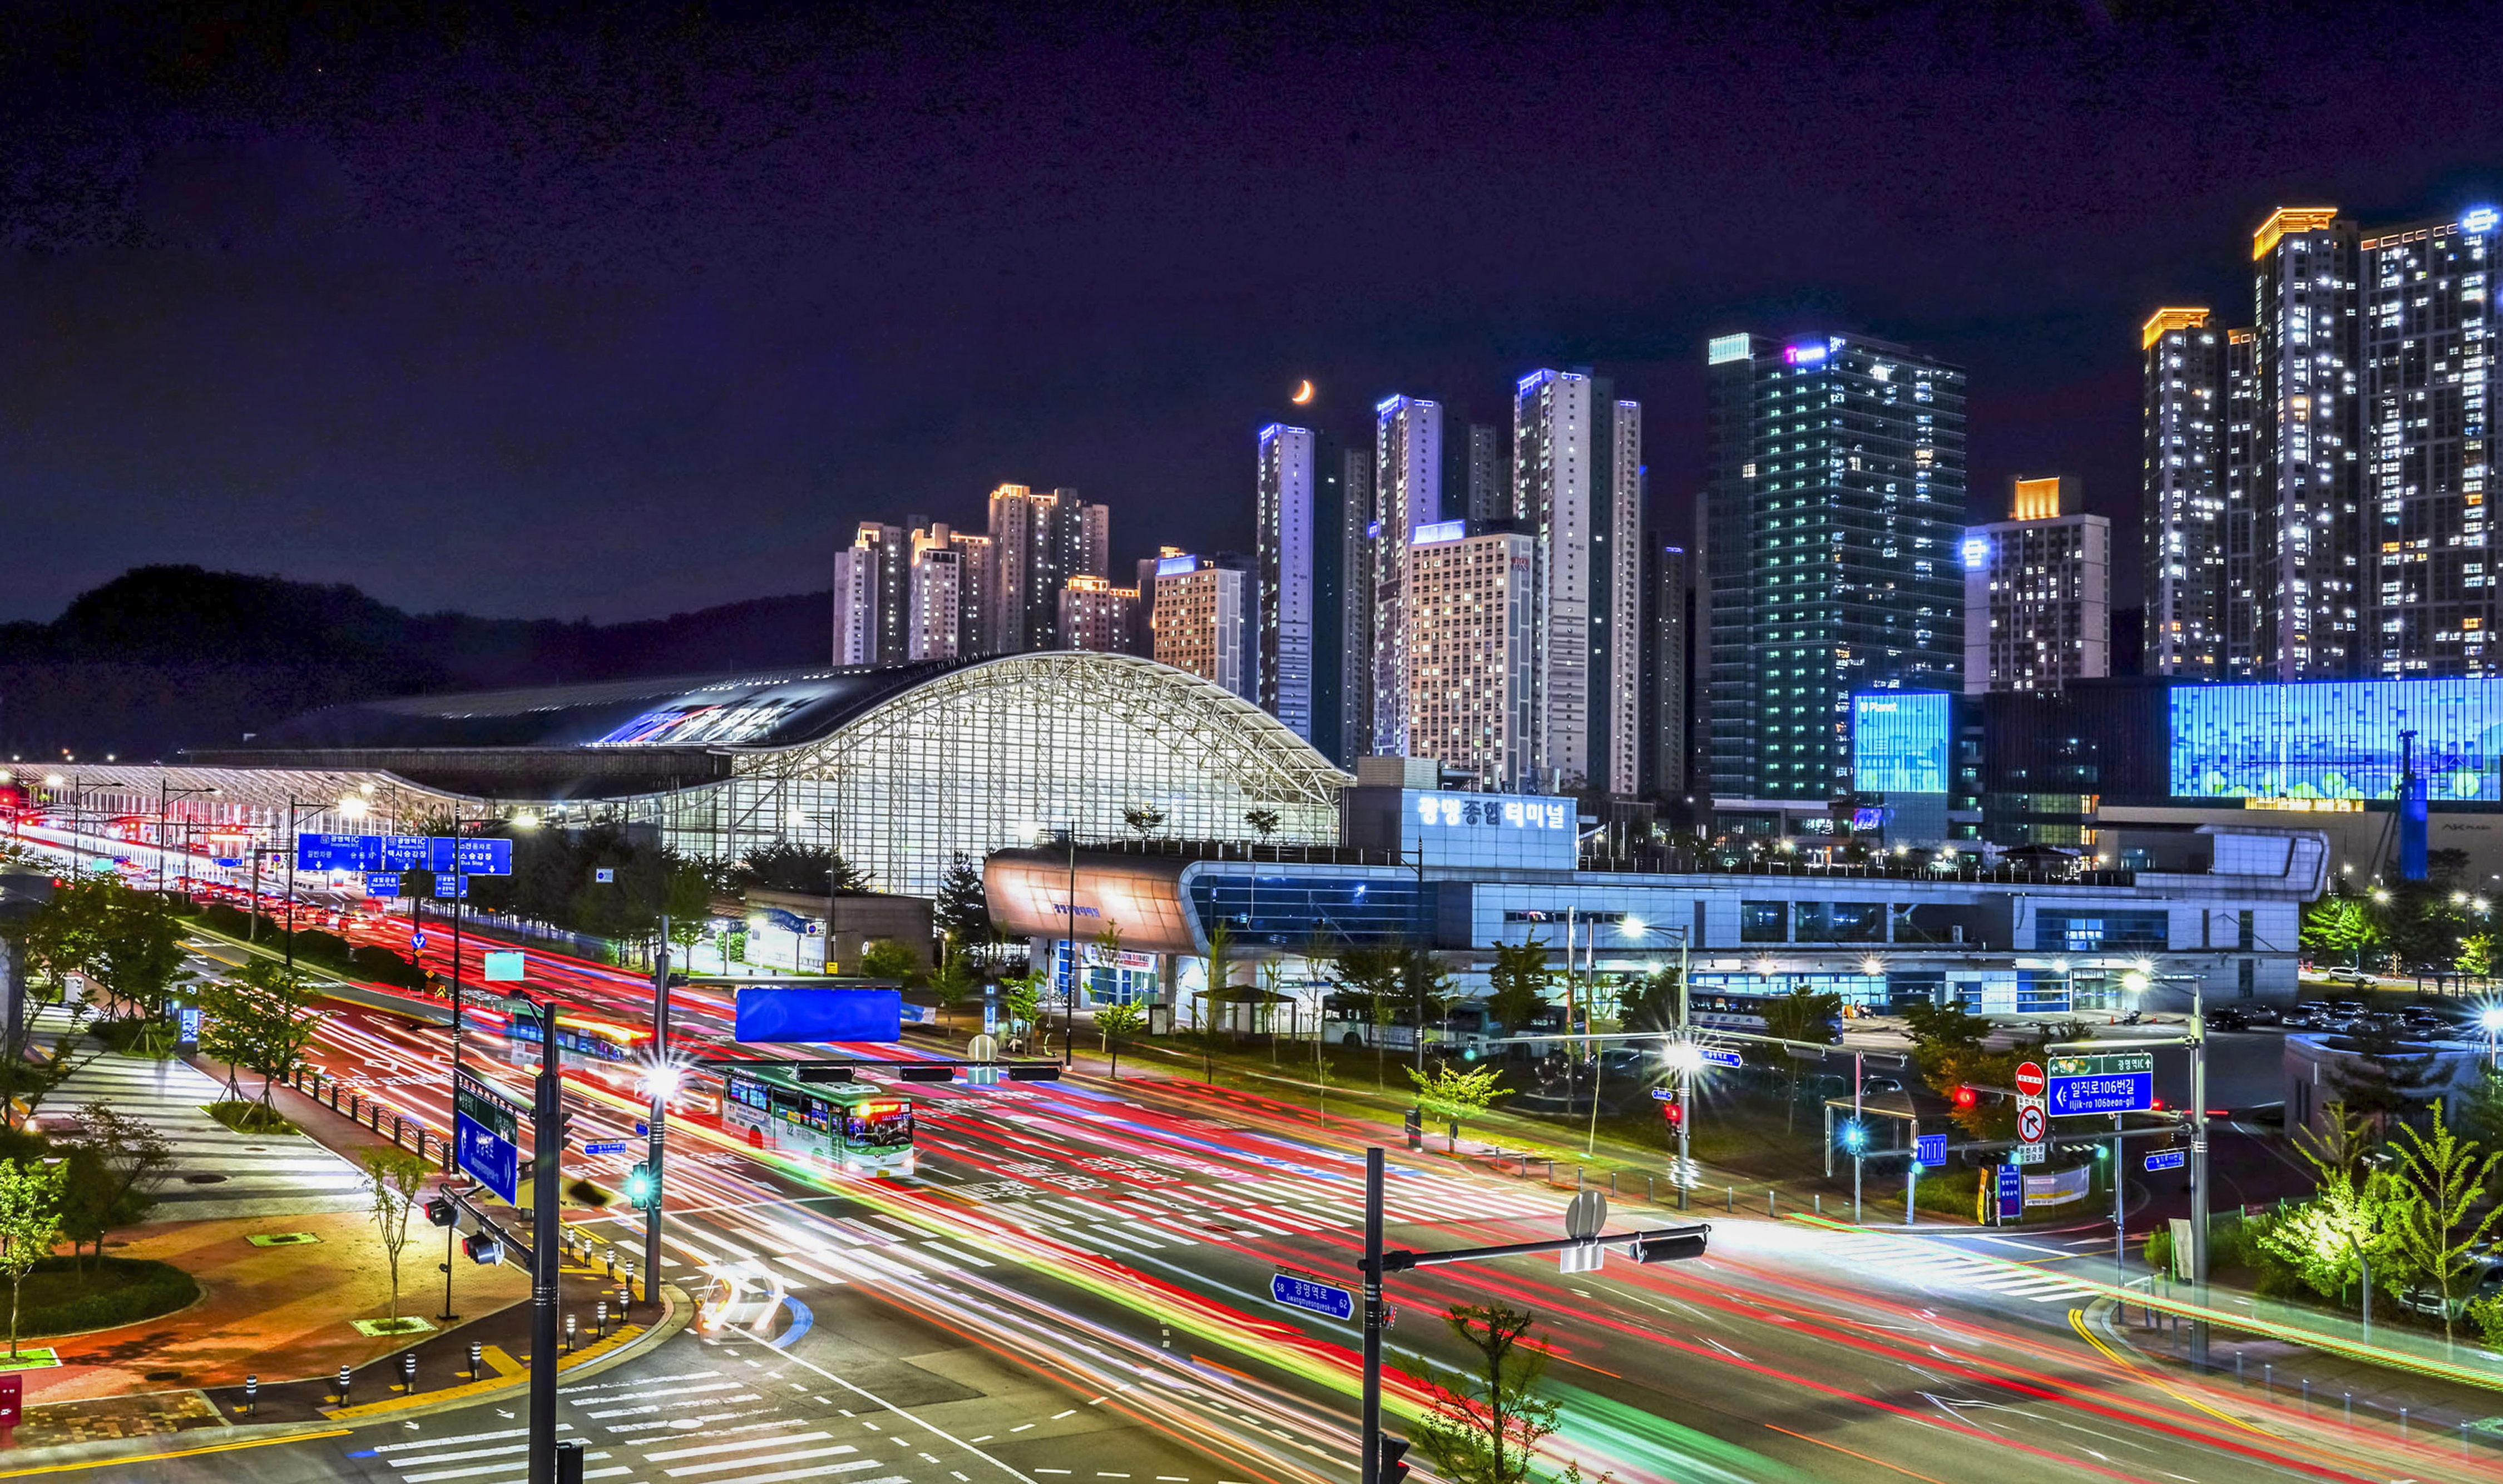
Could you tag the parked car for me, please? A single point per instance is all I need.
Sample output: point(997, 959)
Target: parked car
point(2257, 1013)
point(2483, 1281)
point(1872, 1084)
point(2227, 1018)
point(2355, 976)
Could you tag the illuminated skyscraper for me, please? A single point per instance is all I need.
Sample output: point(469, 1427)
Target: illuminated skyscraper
point(1204, 618)
point(1038, 543)
point(2183, 468)
point(872, 593)
point(1096, 615)
point(1472, 610)
point(950, 572)
point(1665, 740)
point(2036, 596)
point(2303, 486)
point(1832, 522)
point(2427, 357)
point(1577, 477)
point(1311, 552)
point(1410, 469)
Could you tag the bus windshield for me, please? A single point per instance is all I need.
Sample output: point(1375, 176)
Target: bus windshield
point(878, 1125)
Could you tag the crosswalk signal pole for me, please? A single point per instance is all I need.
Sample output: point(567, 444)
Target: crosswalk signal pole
point(659, 1114)
point(547, 1151)
point(1371, 1431)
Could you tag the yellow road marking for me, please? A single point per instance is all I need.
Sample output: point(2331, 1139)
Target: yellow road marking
point(150, 1457)
point(1863, 1457)
point(2077, 1322)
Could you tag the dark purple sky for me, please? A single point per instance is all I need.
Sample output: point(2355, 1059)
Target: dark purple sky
point(623, 310)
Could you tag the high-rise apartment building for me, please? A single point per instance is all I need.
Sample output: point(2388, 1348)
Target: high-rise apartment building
point(1472, 616)
point(2238, 439)
point(1142, 631)
point(1490, 475)
point(1039, 542)
point(2183, 484)
point(1832, 518)
point(1096, 615)
point(1205, 621)
point(1311, 552)
point(1577, 475)
point(950, 572)
point(2303, 476)
point(1665, 740)
point(2036, 596)
point(1359, 562)
point(872, 597)
point(1412, 464)
point(2428, 355)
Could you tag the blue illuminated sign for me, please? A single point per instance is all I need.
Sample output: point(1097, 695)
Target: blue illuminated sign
point(338, 852)
point(1328, 1301)
point(1898, 741)
point(382, 883)
point(1804, 355)
point(2481, 220)
point(1494, 809)
point(1175, 566)
point(1976, 553)
point(1440, 531)
point(1932, 1148)
point(2335, 739)
point(2164, 1160)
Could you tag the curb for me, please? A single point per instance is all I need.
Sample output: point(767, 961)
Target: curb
point(677, 1310)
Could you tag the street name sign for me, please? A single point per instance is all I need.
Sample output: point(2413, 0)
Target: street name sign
point(2165, 1159)
point(2109, 1081)
point(1313, 1296)
point(477, 854)
point(1721, 1057)
point(605, 1147)
point(487, 1139)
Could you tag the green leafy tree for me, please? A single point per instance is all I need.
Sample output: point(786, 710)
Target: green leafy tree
point(687, 898)
point(1453, 1096)
point(1118, 1021)
point(1517, 984)
point(30, 1224)
point(1022, 994)
point(261, 1021)
point(1144, 818)
point(2338, 926)
point(1650, 1004)
point(951, 982)
point(1263, 823)
point(2436, 1224)
point(1371, 974)
point(2481, 1107)
point(2347, 1221)
point(963, 908)
point(2338, 1145)
point(888, 958)
point(2476, 956)
point(1487, 1421)
point(113, 1170)
point(394, 1177)
point(808, 870)
point(138, 949)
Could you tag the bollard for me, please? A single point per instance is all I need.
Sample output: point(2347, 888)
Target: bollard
point(1577, 1177)
point(2403, 1423)
point(252, 1399)
point(2307, 1396)
point(2237, 1367)
point(1651, 1196)
point(1612, 1182)
point(474, 1358)
point(568, 1335)
point(1733, 1194)
point(1771, 1203)
point(603, 1319)
point(622, 1295)
point(568, 1461)
point(626, 1295)
point(2350, 1404)
point(2268, 1379)
point(343, 1386)
point(408, 1370)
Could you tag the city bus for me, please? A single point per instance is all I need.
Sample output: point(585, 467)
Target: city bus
point(854, 1129)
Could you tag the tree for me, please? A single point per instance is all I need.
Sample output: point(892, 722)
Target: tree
point(1486, 1427)
point(807, 870)
point(1023, 994)
point(1372, 975)
point(2323, 1239)
point(113, 1171)
point(32, 1071)
point(963, 912)
point(396, 1176)
point(1145, 819)
point(1118, 1020)
point(2335, 925)
point(1650, 1004)
point(30, 1224)
point(1455, 1096)
point(1517, 984)
point(2476, 957)
point(2337, 1150)
point(1802, 1015)
point(687, 899)
point(260, 1020)
point(2443, 1184)
point(953, 982)
point(1263, 823)
point(138, 949)
point(888, 958)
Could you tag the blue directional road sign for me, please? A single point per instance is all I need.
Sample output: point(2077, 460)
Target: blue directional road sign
point(382, 883)
point(1932, 1148)
point(2114, 1081)
point(338, 852)
point(405, 853)
point(2010, 1190)
point(228, 861)
point(486, 1143)
point(480, 855)
point(1312, 1295)
point(2165, 1159)
point(1720, 1057)
point(605, 1147)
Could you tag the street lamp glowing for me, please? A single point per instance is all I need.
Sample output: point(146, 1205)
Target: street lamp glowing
point(1854, 1138)
point(351, 807)
point(1632, 927)
point(2134, 981)
point(662, 1078)
point(525, 822)
point(1682, 1056)
point(2490, 1018)
point(53, 781)
point(2381, 896)
point(1872, 964)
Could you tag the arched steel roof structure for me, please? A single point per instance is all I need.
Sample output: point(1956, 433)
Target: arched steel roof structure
point(900, 769)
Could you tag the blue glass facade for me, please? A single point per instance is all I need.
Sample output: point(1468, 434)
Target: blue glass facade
point(2336, 739)
point(2099, 932)
point(1898, 741)
point(1291, 911)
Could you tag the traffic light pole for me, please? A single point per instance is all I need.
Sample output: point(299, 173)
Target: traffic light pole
point(659, 1117)
point(547, 1151)
point(1371, 1440)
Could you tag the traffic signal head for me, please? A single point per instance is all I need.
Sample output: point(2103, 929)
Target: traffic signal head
point(441, 1212)
point(1673, 1247)
point(642, 1187)
point(1966, 1098)
point(1673, 1111)
point(1855, 1137)
point(928, 1074)
point(483, 1248)
point(1391, 1469)
point(1038, 1072)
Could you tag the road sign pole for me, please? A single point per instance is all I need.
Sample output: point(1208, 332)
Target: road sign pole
point(659, 1117)
point(547, 1140)
point(2199, 1176)
point(2121, 1207)
point(1369, 1434)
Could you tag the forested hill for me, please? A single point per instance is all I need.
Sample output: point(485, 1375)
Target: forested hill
point(163, 658)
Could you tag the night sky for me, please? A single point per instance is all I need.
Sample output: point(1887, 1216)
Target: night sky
point(620, 310)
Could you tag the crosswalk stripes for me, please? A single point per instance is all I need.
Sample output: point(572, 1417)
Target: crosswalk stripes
point(1930, 1265)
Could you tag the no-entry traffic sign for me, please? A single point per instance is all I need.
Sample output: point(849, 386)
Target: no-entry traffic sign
point(2029, 1080)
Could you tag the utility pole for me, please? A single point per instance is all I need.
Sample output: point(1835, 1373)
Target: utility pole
point(291, 925)
point(547, 1153)
point(659, 1112)
point(2199, 1171)
point(1369, 1437)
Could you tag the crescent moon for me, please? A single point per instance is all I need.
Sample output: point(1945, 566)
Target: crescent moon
point(1303, 394)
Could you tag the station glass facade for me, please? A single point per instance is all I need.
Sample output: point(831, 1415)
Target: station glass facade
point(2335, 739)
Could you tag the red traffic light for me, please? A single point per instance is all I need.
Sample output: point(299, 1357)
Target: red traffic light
point(1675, 1113)
point(1966, 1098)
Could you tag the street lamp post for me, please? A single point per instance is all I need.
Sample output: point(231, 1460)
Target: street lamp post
point(663, 1078)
